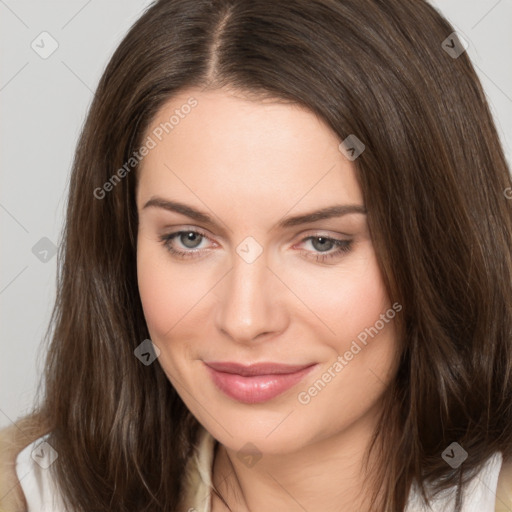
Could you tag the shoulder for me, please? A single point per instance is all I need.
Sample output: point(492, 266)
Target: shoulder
point(33, 469)
point(11, 495)
point(504, 488)
point(18, 470)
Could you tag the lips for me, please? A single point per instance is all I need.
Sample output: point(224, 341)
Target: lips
point(257, 368)
point(258, 382)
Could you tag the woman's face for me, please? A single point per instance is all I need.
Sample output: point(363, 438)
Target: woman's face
point(248, 280)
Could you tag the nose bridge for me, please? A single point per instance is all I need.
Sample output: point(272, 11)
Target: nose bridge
point(248, 298)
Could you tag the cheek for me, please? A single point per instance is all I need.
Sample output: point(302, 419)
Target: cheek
point(176, 303)
point(166, 293)
point(169, 300)
point(362, 361)
point(153, 288)
point(348, 300)
point(363, 301)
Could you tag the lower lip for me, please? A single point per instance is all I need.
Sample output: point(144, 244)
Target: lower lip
point(258, 388)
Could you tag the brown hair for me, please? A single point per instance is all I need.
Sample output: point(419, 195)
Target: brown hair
point(433, 177)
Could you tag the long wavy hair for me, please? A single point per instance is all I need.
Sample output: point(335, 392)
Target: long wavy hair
point(433, 177)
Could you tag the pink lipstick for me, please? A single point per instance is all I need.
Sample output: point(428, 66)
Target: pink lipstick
point(258, 382)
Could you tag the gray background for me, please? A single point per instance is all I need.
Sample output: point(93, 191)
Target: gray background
point(44, 102)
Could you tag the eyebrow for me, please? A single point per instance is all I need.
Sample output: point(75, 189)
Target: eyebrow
point(287, 222)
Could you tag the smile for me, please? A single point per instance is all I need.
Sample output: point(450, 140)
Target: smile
point(256, 383)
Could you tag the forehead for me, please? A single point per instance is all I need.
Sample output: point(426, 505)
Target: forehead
point(219, 146)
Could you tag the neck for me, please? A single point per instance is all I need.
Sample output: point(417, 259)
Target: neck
point(327, 475)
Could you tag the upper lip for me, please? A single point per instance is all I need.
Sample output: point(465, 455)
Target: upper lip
point(266, 368)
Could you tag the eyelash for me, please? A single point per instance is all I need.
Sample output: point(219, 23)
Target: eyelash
point(344, 246)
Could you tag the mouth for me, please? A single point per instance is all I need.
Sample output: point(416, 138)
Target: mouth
point(258, 382)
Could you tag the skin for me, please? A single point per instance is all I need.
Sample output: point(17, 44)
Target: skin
point(248, 164)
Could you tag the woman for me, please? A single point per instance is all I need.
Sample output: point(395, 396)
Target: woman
point(286, 277)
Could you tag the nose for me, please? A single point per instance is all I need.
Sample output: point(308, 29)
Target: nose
point(250, 302)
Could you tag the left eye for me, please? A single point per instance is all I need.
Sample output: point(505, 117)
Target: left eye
point(322, 243)
point(342, 247)
point(191, 241)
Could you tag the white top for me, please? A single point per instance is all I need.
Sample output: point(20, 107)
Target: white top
point(33, 470)
point(41, 493)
